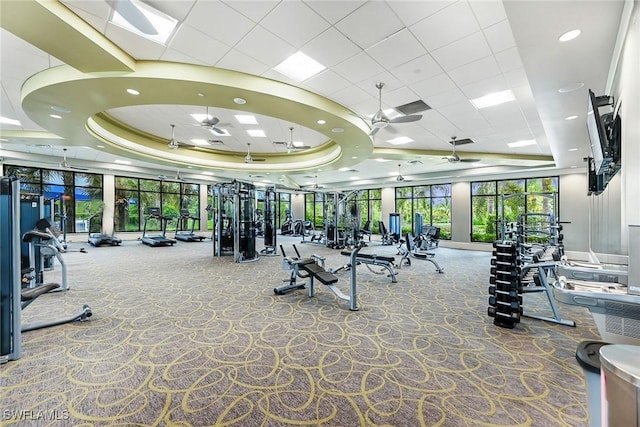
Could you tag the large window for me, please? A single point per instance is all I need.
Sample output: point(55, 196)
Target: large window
point(313, 208)
point(283, 200)
point(432, 202)
point(134, 196)
point(75, 195)
point(487, 210)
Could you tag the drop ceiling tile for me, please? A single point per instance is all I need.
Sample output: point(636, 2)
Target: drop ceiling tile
point(193, 43)
point(358, 68)
point(446, 98)
point(370, 24)
point(327, 82)
point(464, 51)
point(137, 46)
point(453, 111)
point(330, 48)
point(294, 22)
point(275, 75)
point(486, 86)
point(236, 60)
point(505, 117)
point(474, 71)
point(99, 9)
point(509, 60)
point(446, 26)
point(401, 96)
point(254, 10)
point(438, 125)
point(412, 11)
point(418, 69)
point(173, 55)
point(500, 36)
point(333, 11)
point(396, 50)
point(220, 21)
point(433, 86)
point(350, 96)
point(517, 78)
point(389, 80)
point(176, 9)
point(97, 17)
point(488, 12)
point(265, 47)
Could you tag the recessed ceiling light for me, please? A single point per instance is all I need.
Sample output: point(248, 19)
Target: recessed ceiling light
point(123, 162)
point(246, 119)
point(133, 92)
point(299, 67)
point(573, 149)
point(337, 130)
point(523, 143)
point(60, 109)
point(189, 167)
point(207, 173)
point(256, 133)
point(354, 157)
point(399, 140)
point(573, 167)
point(200, 94)
point(149, 21)
point(99, 146)
point(321, 122)
point(8, 121)
point(240, 101)
point(353, 178)
point(569, 35)
point(495, 98)
point(55, 116)
point(571, 117)
point(381, 160)
point(571, 87)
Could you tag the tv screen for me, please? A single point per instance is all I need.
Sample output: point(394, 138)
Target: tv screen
point(598, 133)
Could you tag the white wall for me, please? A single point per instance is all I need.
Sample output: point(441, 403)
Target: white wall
point(574, 208)
point(109, 199)
point(297, 206)
point(461, 212)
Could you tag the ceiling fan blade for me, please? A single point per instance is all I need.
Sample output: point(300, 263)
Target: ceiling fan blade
point(406, 119)
point(374, 131)
point(134, 16)
point(470, 160)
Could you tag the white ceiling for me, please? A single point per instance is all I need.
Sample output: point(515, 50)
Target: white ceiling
point(442, 52)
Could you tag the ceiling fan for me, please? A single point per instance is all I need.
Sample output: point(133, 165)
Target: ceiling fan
point(380, 119)
point(210, 122)
point(64, 164)
point(290, 145)
point(400, 178)
point(453, 157)
point(248, 158)
point(173, 144)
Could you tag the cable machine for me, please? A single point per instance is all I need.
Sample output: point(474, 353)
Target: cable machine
point(234, 226)
point(269, 218)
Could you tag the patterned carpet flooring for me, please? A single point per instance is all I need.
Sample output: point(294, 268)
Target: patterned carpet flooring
point(180, 338)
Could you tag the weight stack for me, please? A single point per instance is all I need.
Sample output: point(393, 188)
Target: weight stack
point(505, 289)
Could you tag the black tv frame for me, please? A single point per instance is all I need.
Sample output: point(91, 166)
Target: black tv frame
point(598, 128)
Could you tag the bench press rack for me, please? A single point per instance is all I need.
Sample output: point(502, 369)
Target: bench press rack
point(313, 268)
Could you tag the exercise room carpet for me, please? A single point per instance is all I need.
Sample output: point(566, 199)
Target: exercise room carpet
point(180, 338)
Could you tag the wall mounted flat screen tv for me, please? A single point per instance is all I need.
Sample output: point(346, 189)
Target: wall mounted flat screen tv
point(596, 126)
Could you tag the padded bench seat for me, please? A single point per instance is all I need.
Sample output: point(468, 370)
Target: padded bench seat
point(319, 273)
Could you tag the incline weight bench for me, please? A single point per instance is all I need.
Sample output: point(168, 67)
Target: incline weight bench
point(309, 268)
point(410, 252)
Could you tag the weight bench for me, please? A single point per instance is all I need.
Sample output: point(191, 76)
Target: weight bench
point(386, 262)
point(311, 269)
point(411, 252)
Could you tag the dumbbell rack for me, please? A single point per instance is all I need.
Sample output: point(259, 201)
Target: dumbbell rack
point(505, 289)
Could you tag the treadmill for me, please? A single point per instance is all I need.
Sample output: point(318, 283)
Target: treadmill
point(100, 239)
point(187, 235)
point(157, 239)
